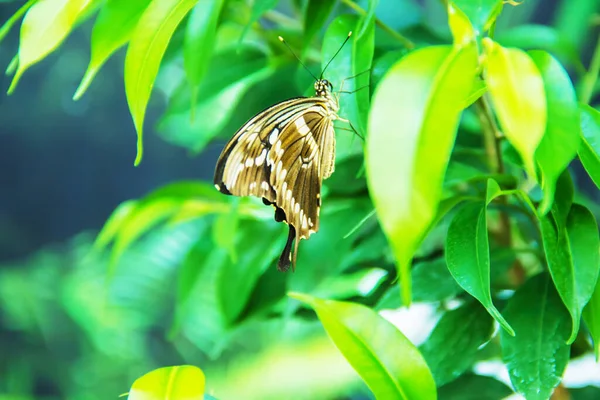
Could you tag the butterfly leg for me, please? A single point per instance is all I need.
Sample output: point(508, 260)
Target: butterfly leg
point(353, 129)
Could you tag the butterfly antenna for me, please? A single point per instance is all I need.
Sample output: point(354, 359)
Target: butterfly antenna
point(297, 58)
point(336, 53)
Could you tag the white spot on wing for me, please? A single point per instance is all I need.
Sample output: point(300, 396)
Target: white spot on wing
point(301, 126)
point(249, 162)
point(261, 158)
point(273, 136)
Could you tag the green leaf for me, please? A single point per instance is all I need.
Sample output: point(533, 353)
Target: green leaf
point(537, 356)
point(144, 54)
point(112, 29)
point(573, 260)
point(591, 314)
point(431, 282)
point(452, 346)
point(347, 73)
point(7, 26)
point(199, 42)
point(45, 26)
point(481, 13)
point(517, 92)
point(468, 256)
point(233, 74)
point(412, 127)
point(589, 148)
point(178, 382)
point(316, 14)
point(474, 387)
point(387, 361)
point(559, 144)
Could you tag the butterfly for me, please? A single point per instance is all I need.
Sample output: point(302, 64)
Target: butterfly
point(282, 155)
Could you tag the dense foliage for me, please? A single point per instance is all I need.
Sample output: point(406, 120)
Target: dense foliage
point(466, 202)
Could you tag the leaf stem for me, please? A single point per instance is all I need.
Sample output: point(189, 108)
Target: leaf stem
point(588, 82)
point(401, 38)
point(491, 135)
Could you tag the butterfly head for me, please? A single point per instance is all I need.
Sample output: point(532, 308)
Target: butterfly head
point(323, 87)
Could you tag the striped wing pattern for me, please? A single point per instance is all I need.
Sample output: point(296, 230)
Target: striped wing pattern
point(282, 155)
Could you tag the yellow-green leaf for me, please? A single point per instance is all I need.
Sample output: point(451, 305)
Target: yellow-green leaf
point(144, 54)
point(388, 362)
point(460, 26)
point(517, 92)
point(45, 26)
point(589, 149)
point(412, 126)
point(112, 29)
point(14, 18)
point(178, 382)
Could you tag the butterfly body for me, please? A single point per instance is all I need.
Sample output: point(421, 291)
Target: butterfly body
point(282, 155)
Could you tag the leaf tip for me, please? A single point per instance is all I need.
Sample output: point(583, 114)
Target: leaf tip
point(15, 82)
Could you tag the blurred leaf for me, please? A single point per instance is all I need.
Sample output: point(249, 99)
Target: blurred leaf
point(384, 63)
point(541, 37)
point(481, 13)
point(224, 229)
point(178, 382)
point(114, 223)
point(559, 145)
point(199, 42)
point(478, 90)
point(468, 256)
point(537, 356)
point(7, 26)
point(316, 13)
point(589, 148)
point(431, 281)
point(211, 113)
point(112, 29)
point(585, 393)
point(572, 17)
point(387, 361)
point(259, 7)
point(517, 92)
point(412, 126)
point(574, 268)
point(354, 57)
point(144, 54)
point(360, 283)
point(474, 387)
point(45, 26)
point(460, 26)
point(452, 346)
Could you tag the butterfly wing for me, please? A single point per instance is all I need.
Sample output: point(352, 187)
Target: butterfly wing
point(282, 155)
point(242, 168)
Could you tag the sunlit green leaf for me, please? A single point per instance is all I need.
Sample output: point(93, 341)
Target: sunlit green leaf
point(45, 26)
point(412, 126)
point(114, 223)
point(517, 92)
point(144, 54)
point(6, 27)
point(178, 382)
point(589, 148)
point(537, 356)
point(112, 29)
point(461, 331)
point(560, 141)
point(468, 256)
point(387, 361)
point(199, 42)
